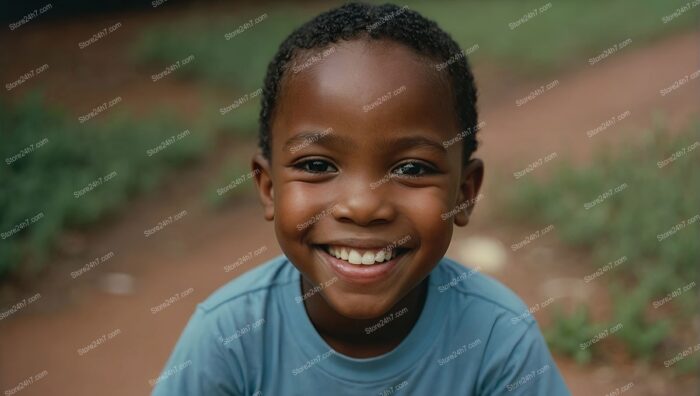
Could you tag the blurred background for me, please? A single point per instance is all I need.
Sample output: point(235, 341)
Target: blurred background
point(126, 130)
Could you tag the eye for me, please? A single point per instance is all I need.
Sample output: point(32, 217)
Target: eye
point(315, 166)
point(413, 168)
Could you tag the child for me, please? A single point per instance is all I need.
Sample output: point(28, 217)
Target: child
point(368, 127)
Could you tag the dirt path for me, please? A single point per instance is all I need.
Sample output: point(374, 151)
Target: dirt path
point(188, 256)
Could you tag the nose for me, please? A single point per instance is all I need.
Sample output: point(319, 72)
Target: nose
point(362, 203)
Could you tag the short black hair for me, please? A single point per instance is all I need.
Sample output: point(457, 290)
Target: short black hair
point(388, 21)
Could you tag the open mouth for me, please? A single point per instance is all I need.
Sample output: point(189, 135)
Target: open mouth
point(363, 256)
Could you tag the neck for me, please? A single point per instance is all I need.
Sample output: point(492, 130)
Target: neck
point(363, 338)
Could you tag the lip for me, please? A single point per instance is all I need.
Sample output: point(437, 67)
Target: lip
point(357, 273)
point(364, 244)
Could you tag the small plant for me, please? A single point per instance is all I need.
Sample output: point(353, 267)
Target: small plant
point(569, 333)
point(637, 203)
point(641, 335)
point(58, 173)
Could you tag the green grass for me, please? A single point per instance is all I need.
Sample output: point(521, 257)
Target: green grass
point(241, 122)
point(234, 180)
point(565, 35)
point(569, 331)
point(78, 174)
point(635, 223)
point(237, 63)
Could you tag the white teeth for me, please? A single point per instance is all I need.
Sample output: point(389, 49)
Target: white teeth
point(368, 258)
point(354, 257)
point(365, 257)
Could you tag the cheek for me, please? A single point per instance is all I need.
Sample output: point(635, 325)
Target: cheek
point(426, 210)
point(295, 206)
point(299, 204)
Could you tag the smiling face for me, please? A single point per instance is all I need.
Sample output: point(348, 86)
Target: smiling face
point(359, 170)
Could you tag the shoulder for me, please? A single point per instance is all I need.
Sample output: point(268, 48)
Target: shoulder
point(514, 358)
point(257, 282)
point(209, 357)
point(470, 287)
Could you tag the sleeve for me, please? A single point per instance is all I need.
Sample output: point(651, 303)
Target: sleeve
point(520, 364)
point(199, 365)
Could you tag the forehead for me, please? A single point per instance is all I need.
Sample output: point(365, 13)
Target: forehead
point(368, 89)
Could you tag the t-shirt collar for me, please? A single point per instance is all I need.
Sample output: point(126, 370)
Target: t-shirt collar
point(375, 369)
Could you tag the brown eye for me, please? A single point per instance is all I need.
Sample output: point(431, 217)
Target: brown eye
point(315, 166)
point(413, 168)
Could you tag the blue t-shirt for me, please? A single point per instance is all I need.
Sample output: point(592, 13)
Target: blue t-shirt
point(253, 337)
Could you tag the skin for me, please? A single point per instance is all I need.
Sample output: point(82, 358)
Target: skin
point(332, 177)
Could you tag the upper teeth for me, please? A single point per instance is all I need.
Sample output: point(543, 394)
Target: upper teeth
point(366, 257)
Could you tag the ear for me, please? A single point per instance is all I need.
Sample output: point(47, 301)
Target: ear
point(469, 186)
point(263, 181)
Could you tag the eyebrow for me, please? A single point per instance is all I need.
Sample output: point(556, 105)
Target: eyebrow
point(406, 142)
point(321, 138)
point(330, 139)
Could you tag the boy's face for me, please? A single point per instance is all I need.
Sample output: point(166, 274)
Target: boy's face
point(376, 174)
